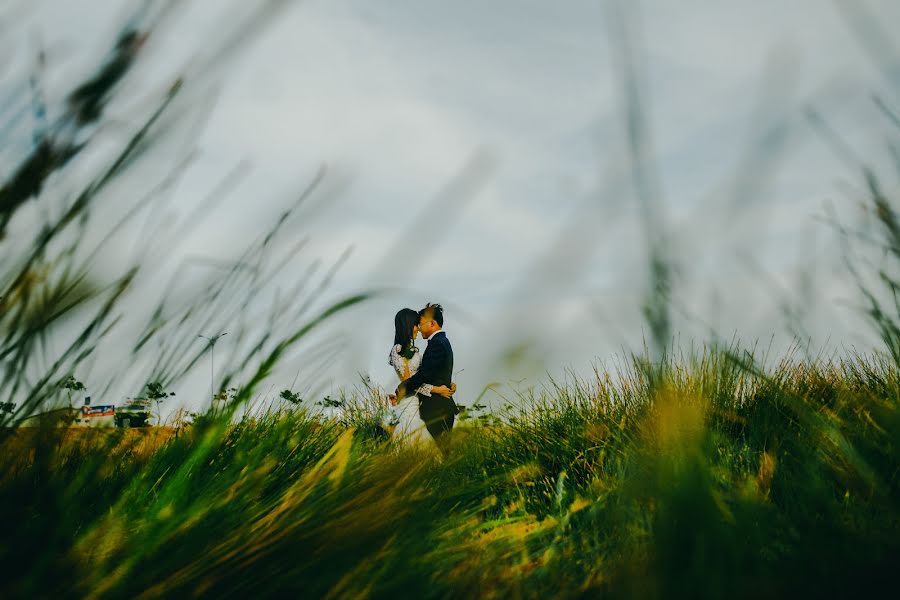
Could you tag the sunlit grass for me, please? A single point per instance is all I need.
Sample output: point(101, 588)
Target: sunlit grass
point(785, 480)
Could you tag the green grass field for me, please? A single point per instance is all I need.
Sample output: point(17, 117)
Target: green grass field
point(695, 478)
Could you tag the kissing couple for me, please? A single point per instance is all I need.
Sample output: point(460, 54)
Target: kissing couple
point(424, 397)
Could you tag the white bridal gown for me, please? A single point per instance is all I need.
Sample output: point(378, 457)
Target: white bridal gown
point(410, 427)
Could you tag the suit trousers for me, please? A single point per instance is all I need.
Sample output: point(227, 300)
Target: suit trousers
point(438, 413)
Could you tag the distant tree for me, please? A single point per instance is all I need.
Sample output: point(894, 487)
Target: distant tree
point(329, 402)
point(157, 394)
point(471, 412)
point(70, 384)
point(224, 397)
point(292, 397)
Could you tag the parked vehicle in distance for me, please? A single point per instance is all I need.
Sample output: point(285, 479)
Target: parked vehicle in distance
point(135, 412)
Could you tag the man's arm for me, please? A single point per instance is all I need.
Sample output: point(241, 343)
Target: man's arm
point(431, 362)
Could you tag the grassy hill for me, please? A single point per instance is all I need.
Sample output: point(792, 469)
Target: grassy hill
point(701, 477)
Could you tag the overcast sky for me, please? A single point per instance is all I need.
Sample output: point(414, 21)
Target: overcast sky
point(546, 245)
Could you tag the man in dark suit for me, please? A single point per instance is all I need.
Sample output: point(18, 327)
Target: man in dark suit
point(438, 412)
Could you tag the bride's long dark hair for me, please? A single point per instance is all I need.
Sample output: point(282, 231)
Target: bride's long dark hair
point(405, 321)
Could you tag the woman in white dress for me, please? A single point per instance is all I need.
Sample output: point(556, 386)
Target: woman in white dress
point(404, 420)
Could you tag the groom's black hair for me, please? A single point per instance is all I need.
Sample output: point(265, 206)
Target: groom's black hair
point(433, 311)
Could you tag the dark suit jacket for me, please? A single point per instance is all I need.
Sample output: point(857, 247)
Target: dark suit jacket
point(436, 367)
